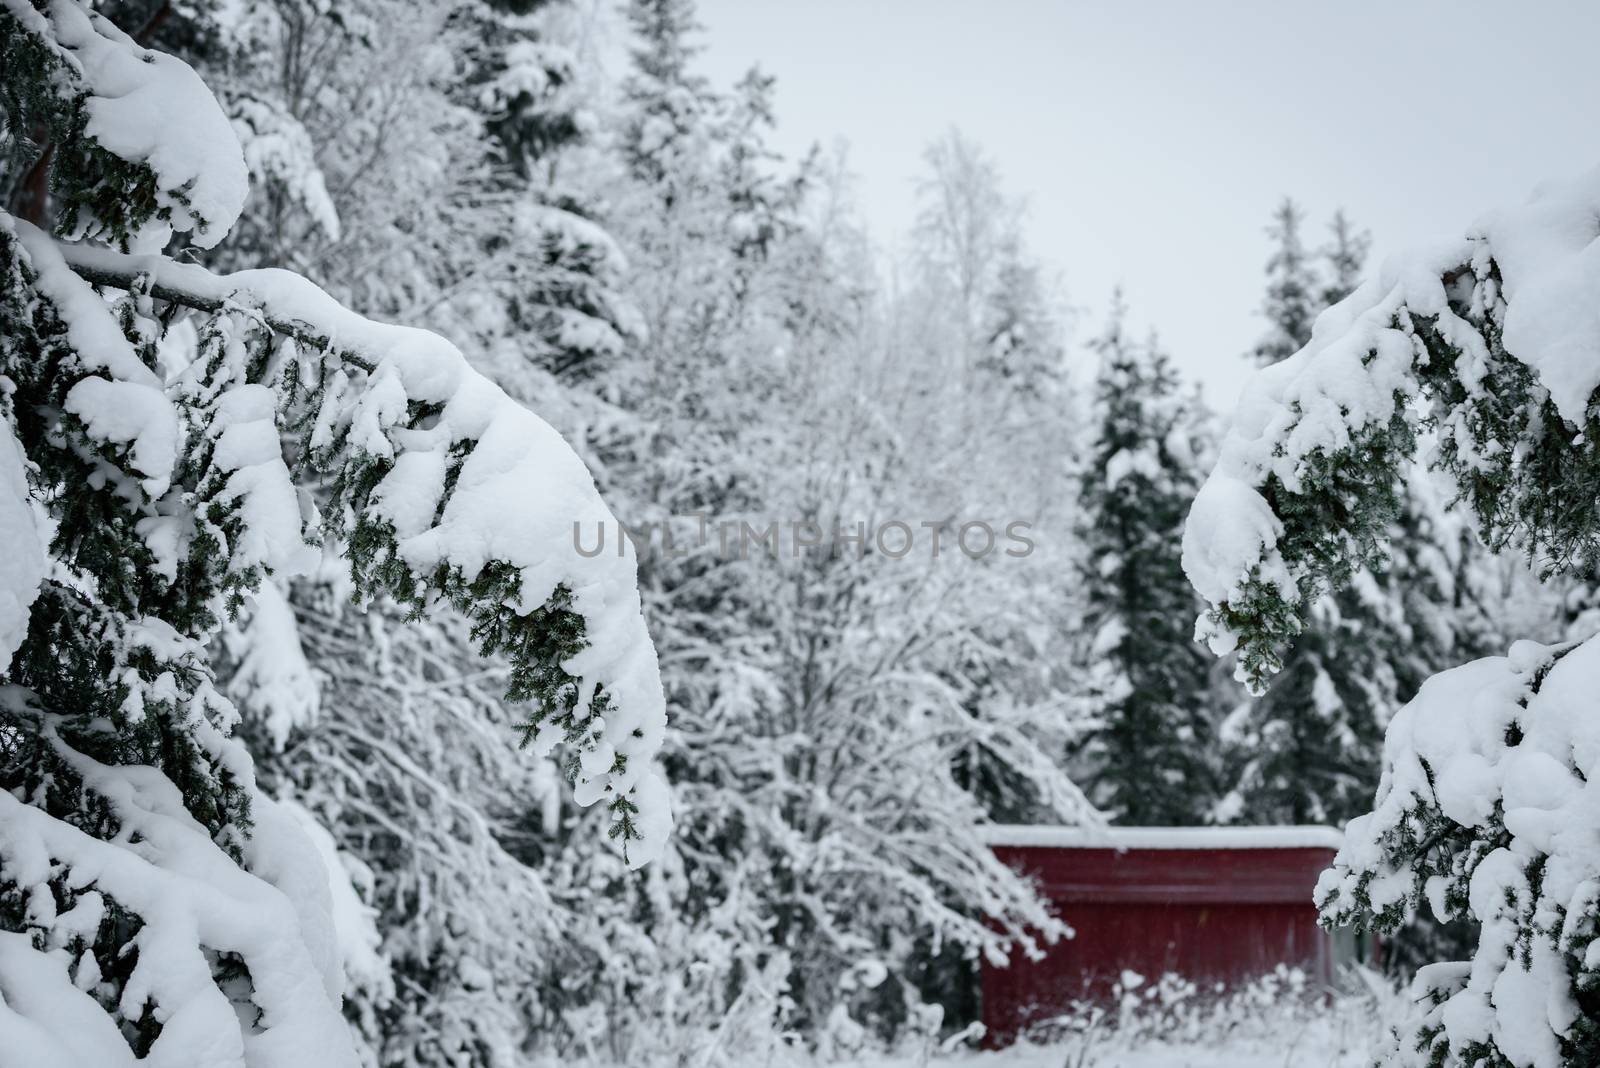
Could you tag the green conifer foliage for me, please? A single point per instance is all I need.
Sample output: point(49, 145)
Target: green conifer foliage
point(1307, 750)
point(1150, 753)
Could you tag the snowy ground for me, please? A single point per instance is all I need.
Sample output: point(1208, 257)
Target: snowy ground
point(1311, 1048)
point(1272, 1023)
point(1279, 1021)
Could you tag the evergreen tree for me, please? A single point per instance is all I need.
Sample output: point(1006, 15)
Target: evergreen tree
point(1021, 343)
point(550, 273)
point(1344, 258)
point(664, 102)
point(1484, 810)
point(1291, 302)
point(1308, 750)
point(409, 761)
point(152, 897)
point(1149, 751)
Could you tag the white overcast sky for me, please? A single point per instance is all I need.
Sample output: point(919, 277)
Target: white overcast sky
point(1151, 140)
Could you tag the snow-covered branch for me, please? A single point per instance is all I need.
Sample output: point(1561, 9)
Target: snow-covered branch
point(458, 491)
point(1478, 341)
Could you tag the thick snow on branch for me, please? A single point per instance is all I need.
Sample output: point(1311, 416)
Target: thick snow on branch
point(478, 480)
point(1548, 254)
point(48, 1022)
point(121, 401)
point(22, 565)
point(195, 903)
point(278, 150)
point(1503, 750)
point(1352, 374)
point(272, 674)
point(1314, 437)
point(147, 108)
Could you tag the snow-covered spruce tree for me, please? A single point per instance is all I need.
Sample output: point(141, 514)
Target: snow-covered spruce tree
point(548, 293)
point(444, 139)
point(1292, 299)
point(762, 202)
point(1343, 257)
point(1022, 340)
point(1485, 806)
point(153, 902)
point(1307, 751)
point(665, 104)
point(1149, 754)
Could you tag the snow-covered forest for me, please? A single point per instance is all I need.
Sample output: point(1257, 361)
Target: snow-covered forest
point(503, 566)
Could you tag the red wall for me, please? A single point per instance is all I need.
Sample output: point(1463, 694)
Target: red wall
point(1207, 914)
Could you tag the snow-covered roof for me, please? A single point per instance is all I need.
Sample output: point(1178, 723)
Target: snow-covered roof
point(1303, 837)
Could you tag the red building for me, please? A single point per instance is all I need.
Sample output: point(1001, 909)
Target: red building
point(1212, 904)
